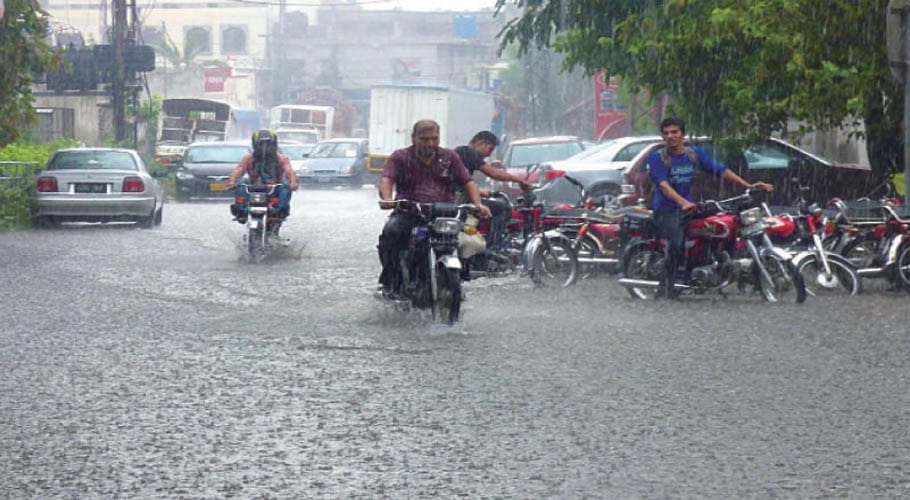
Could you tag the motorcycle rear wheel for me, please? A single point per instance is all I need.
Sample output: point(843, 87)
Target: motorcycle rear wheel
point(843, 279)
point(554, 265)
point(786, 284)
point(902, 268)
point(644, 264)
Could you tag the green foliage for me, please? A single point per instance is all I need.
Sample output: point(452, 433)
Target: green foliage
point(16, 194)
point(736, 68)
point(23, 51)
point(172, 54)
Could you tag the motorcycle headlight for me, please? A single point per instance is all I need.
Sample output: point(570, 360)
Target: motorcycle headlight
point(184, 176)
point(749, 217)
point(446, 225)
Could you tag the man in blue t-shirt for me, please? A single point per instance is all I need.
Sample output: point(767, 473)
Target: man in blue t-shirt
point(673, 191)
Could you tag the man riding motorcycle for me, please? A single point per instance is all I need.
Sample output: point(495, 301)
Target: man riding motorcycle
point(425, 173)
point(264, 166)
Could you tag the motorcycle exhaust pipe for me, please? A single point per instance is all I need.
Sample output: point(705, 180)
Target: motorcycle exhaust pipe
point(597, 260)
point(870, 271)
point(634, 283)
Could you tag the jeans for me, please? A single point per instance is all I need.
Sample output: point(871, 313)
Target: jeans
point(282, 209)
point(670, 227)
point(395, 237)
point(498, 222)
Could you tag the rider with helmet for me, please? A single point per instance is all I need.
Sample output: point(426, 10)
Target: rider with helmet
point(264, 166)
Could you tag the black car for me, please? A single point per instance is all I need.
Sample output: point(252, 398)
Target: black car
point(205, 167)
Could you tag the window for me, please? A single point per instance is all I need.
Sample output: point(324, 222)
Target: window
point(198, 36)
point(233, 40)
point(211, 154)
point(93, 160)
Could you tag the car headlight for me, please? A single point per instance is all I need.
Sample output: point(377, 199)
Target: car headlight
point(447, 225)
point(750, 216)
point(184, 176)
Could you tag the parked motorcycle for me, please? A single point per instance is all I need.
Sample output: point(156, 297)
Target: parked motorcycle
point(262, 223)
point(430, 267)
point(725, 243)
point(802, 231)
point(881, 249)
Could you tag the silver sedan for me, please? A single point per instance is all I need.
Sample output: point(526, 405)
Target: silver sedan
point(98, 185)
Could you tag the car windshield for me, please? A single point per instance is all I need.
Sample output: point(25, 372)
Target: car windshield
point(93, 160)
point(529, 154)
point(605, 149)
point(215, 154)
point(335, 150)
point(296, 152)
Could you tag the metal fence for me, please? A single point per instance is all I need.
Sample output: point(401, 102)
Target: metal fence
point(16, 183)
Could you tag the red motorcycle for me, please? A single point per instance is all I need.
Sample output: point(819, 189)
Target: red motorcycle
point(725, 243)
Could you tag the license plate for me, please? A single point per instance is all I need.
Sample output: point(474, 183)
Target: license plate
point(217, 186)
point(90, 187)
point(324, 179)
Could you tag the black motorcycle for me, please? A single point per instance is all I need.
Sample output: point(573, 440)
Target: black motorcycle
point(262, 221)
point(431, 271)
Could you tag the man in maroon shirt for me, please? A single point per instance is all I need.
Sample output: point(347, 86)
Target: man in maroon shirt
point(425, 173)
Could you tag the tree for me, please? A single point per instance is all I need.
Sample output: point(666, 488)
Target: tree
point(24, 51)
point(167, 49)
point(737, 68)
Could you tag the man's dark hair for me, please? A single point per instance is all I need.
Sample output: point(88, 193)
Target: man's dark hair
point(673, 121)
point(487, 137)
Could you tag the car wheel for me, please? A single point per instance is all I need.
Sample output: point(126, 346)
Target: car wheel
point(159, 215)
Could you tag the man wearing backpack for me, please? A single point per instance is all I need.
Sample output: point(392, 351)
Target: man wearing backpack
point(672, 171)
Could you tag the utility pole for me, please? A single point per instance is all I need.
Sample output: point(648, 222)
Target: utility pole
point(118, 70)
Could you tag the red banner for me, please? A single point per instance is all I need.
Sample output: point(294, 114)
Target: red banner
point(215, 77)
point(609, 116)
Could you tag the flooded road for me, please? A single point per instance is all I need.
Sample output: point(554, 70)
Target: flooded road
point(156, 363)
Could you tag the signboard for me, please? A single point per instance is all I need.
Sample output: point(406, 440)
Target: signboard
point(215, 77)
point(609, 115)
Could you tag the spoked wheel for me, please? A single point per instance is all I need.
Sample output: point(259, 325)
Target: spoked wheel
point(861, 253)
point(255, 249)
point(902, 271)
point(447, 303)
point(786, 283)
point(587, 249)
point(843, 278)
point(554, 264)
point(644, 264)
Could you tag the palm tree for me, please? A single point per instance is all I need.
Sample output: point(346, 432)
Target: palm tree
point(169, 51)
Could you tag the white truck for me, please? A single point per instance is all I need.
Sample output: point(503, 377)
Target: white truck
point(302, 123)
point(395, 108)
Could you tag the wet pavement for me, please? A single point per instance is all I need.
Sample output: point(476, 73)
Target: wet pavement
point(156, 363)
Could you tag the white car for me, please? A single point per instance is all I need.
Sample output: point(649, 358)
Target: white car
point(599, 169)
point(98, 185)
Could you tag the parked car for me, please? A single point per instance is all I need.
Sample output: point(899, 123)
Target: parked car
point(98, 185)
point(775, 161)
point(205, 167)
point(336, 161)
point(296, 153)
point(521, 155)
point(600, 169)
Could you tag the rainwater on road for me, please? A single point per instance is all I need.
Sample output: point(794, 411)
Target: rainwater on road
point(156, 363)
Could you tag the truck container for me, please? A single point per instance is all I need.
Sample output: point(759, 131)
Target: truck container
point(395, 108)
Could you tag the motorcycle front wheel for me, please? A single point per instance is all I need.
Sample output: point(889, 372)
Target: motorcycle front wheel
point(843, 278)
point(448, 295)
point(786, 283)
point(554, 264)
